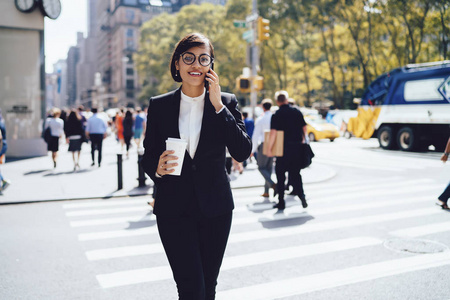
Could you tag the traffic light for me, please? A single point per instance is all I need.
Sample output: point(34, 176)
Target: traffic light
point(243, 84)
point(258, 83)
point(263, 29)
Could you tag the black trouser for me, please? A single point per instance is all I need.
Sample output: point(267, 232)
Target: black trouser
point(290, 162)
point(445, 194)
point(195, 246)
point(127, 140)
point(96, 144)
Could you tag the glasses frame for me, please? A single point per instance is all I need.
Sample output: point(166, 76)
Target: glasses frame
point(197, 57)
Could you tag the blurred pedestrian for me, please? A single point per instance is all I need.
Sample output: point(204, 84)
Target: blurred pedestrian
point(443, 198)
point(128, 133)
point(194, 210)
point(289, 120)
point(56, 125)
point(82, 115)
point(3, 147)
point(139, 126)
point(249, 124)
point(291, 102)
point(96, 131)
point(250, 127)
point(118, 122)
point(73, 129)
point(265, 164)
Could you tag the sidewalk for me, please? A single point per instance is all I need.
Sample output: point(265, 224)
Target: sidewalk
point(35, 179)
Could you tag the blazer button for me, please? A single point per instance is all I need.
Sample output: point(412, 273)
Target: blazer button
point(194, 168)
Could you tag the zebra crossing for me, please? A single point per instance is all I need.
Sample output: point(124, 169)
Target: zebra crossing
point(272, 255)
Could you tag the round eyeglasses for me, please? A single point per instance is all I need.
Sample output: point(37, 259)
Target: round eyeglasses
point(203, 59)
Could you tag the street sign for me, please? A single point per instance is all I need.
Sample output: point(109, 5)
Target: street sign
point(248, 36)
point(239, 24)
point(251, 18)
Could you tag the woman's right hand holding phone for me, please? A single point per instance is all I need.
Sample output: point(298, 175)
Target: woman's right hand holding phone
point(164, 167)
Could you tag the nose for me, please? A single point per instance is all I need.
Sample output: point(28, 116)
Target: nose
point(197, 63)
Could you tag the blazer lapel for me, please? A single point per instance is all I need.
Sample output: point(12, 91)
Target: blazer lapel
point(173, 114)
point(208, 110)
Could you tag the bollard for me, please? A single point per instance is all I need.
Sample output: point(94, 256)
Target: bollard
point(119, 172)
point(141, 174)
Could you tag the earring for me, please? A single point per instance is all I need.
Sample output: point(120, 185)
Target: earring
point(177, 74)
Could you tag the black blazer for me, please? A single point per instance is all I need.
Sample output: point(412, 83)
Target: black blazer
point(203, 179)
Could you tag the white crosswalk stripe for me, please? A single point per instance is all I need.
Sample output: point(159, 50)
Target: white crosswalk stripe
point(113, 230)
point(423, 230)
point(145, 275)
point(307, 284)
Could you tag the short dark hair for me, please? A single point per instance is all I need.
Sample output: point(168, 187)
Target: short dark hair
point(281, 96)
point(189, 41)
point(267, 104)
point(245, 114)
point(94, 110)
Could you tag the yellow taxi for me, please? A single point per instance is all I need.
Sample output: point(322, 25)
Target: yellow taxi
point(318, 129)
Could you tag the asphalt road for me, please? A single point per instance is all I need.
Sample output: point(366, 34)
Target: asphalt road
point(370, 232)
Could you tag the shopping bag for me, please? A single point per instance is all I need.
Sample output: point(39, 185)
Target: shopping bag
point(277, 149)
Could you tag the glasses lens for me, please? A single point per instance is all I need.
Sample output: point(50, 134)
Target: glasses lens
point(188, 58)
point(204, 60)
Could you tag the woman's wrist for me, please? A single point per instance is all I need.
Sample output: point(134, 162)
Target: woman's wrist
point(219, 107)
point(446, 153)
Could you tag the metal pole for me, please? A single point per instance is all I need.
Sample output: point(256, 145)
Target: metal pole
point(119, 172)
point(255, 61)
point(141, 174)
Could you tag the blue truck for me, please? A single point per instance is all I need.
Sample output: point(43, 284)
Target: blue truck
point(407, 108)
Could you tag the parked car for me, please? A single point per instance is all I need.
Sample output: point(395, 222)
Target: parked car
point(318, 129)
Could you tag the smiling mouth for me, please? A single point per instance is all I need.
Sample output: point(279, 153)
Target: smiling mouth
point(195, 74)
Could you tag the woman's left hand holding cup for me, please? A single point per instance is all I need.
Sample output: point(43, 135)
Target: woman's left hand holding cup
point(164, 167)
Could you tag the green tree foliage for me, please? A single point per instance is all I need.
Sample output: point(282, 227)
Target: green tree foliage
point(318, 49)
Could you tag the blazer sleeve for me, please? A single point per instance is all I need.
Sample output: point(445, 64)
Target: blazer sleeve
point(152, 152)
point(238, 142)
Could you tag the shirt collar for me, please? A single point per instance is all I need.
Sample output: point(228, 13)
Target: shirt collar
point(193, 99)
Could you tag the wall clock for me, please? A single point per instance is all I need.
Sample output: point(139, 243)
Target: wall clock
point(51, 8)
point(25, 6)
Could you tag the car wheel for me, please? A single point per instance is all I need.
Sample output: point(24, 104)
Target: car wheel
point(312, 137)
point(331, 140)
point(407, 139)
point(386, 137)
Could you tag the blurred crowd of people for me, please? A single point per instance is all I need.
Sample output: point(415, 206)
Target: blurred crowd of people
point(4, 183)
point(78, 126)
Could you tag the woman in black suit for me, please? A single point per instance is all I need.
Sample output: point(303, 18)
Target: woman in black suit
point(194, 210)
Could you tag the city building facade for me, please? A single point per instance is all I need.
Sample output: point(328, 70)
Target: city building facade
point(22, 74)
point(73, 57)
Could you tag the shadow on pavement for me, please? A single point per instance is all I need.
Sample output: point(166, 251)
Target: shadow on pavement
point(68, 172)
point(143, 222)
point(36, 172)
point(290, 220)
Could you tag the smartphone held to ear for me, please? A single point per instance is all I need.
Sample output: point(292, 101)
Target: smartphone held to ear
point(206, 82)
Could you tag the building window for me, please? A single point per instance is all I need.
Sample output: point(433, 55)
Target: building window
point(130, 71)
point(130, 84)
point(129, 15)
point(130, 2)
point(130, 94)
point(130, 32)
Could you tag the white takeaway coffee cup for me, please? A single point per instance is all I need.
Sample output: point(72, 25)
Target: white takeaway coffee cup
point(179, 146)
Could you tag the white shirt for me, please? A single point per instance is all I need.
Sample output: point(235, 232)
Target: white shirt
point(56, 126)
point(262, 124)
point(190, 120)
